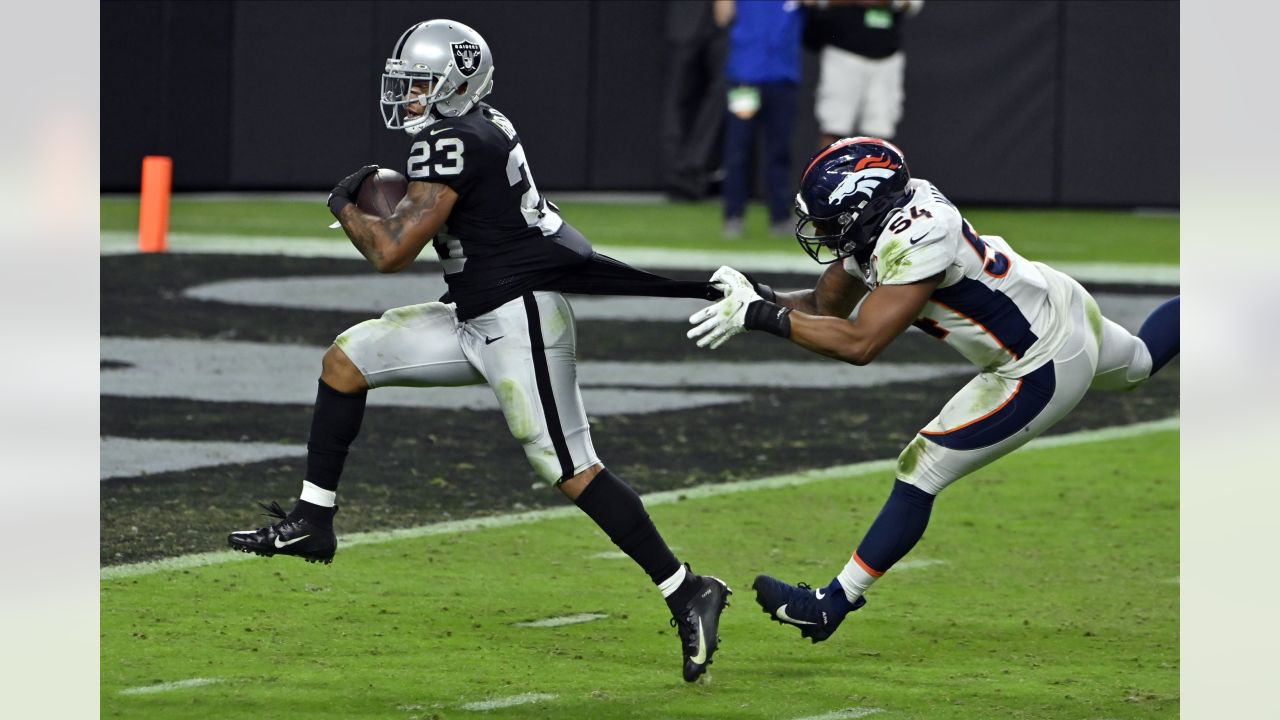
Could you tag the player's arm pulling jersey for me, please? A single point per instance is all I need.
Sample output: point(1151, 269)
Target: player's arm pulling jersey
point(997, 309)
point(502, 237)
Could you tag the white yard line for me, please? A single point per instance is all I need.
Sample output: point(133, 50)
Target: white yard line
point(494, 704)
point(619, 555)
point(333, 245)
point(166, 687)
point(916, 564)
point(611, 555)
point(577, 619)
point(187, 562)
point(845, 714)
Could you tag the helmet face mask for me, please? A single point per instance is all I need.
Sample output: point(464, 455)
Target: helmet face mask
point(827, 240)
point(447, 56)
point(398, 94)
point(846, 194)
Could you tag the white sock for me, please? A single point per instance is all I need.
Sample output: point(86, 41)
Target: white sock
point(856, 578)
point(673, 583)
point(317, 495)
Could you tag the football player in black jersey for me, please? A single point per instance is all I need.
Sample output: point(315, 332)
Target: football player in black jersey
point(507, 257)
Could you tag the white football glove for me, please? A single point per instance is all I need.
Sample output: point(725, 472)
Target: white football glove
point(720, 321)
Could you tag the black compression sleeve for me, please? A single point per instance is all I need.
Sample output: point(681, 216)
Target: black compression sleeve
point(770, 317)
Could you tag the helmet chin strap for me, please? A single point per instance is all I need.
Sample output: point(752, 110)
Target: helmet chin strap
point(878, 225)
point(422, 122)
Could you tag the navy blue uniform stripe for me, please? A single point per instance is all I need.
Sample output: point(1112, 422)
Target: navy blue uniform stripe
point(542, 376)
point(1034, 393)
point(993, 310)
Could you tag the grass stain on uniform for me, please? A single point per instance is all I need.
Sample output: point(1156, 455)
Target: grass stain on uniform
point(991, 394)
point(910, 457)
point(893, 261)
point(406, 316)
point(1094, 314)
point(556, 325)
point(524, 426)
point(343, 341)
point(515, 406)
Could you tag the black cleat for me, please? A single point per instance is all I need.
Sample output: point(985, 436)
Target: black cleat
point(698, 624)
point(299, 536)
point(816, 612)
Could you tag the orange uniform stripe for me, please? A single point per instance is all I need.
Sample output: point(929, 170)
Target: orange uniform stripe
point(870, 570)
point(984, 417)
point(844, 143)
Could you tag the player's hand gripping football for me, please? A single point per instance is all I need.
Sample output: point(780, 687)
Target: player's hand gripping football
point(718, 322)
point(344, 193)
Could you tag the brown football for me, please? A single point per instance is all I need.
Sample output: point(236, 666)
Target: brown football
point(381, 192)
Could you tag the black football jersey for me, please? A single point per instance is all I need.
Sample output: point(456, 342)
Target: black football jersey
point(502, 237)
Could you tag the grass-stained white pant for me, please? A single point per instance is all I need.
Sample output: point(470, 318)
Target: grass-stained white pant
point(994, 414)
point(525, 350)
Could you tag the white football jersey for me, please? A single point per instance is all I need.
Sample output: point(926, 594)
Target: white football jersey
point(1000, 311)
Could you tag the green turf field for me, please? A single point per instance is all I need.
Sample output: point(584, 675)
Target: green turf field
point(1055, 595)
point(1049, 235)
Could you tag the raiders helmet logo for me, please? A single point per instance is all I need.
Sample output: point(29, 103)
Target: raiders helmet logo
point(466, 57)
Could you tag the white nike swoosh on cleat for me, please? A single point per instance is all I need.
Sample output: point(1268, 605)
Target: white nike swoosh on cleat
point(781, 614)
point(819, 592)
point(287, 543)
point(701, 657)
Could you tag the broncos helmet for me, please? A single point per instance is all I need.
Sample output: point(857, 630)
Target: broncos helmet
point(448, 52)
point(846, 193)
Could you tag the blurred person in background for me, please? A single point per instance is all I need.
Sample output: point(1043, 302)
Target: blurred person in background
point(862, 67)
point(763, 74)
point(693, 97)
point(508, 257)
point(901, 254)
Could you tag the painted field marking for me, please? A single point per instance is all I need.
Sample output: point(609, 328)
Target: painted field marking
point(611, 555)
point(916, 564)
point(373, 294)
point(619, 555)
point(165, 687)
point(577, 619)
point(197, 370)
point(507, 702)
point(132, 457)
point(187, 562)
point(115, 242)
point(845, 714)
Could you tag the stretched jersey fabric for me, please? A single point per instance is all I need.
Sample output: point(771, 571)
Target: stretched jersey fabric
point(1002, 312)
point(503, 238)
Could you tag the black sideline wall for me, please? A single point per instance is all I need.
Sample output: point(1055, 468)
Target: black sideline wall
point(1043, 102)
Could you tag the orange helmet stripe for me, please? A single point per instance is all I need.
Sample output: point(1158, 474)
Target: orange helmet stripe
point(845, 143)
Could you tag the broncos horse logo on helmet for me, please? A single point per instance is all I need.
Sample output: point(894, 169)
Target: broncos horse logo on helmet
point(846, 193)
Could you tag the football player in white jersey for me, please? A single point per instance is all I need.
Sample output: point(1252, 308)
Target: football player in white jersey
point(901, 249)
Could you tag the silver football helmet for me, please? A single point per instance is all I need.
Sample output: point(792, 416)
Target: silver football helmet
point(449, 53)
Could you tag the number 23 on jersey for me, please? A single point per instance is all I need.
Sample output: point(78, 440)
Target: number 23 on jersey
point(447, 155)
